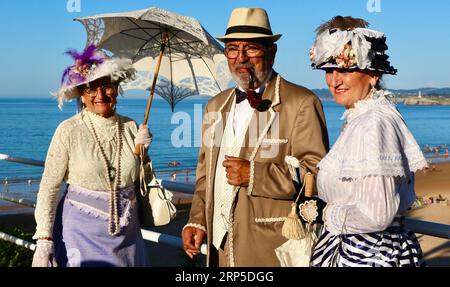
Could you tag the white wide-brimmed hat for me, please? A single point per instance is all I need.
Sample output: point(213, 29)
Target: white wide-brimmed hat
point(91, 65)
point(360, 49)
point(249, 23)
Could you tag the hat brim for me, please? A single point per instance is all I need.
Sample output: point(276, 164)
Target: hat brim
point(116, 69)
point(71, 92)
point(330, 65)
point(238, 36)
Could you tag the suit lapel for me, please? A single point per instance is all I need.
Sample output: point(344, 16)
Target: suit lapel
point(262, 120)
point(218, 128)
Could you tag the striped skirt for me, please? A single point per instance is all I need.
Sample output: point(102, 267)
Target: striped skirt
point(394, 247)
point(81, 233)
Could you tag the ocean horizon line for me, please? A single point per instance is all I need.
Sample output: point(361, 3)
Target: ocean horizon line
point(145, 94)
point(158, 98)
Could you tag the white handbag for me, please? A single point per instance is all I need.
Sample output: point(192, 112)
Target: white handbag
point(155, 207)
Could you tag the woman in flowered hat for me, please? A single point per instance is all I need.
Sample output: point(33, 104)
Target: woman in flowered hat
point(366, 181)
point(95, 222)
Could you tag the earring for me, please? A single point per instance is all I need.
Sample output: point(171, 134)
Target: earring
point(373, 90)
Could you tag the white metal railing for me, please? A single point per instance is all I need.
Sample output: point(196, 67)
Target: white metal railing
point(148, 235)
point(21, 160)
point(21, 201)
point(167, 239)
point(415, 225)
point(17, 241)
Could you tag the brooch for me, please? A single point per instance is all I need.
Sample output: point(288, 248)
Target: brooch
point(308, 211)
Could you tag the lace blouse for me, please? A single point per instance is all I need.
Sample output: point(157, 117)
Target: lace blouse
point(367, 178)
point(73, 157)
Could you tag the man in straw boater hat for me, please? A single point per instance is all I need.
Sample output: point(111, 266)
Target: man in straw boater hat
point(244, 188)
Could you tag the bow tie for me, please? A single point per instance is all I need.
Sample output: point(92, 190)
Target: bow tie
point(253, 97)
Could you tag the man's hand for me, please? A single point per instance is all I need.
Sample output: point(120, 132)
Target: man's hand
point(238, 171)
point(192, 240)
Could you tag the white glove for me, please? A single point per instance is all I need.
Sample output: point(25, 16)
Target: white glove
point(44, 255)
point(143, 136)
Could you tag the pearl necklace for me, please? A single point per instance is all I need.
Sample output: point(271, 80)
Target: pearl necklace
point(114, 225)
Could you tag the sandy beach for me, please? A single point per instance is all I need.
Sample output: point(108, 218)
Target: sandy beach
point(434, 182)
point(431, 183)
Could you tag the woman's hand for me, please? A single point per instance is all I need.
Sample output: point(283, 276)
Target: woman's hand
point(44, 255)
point(143, 136)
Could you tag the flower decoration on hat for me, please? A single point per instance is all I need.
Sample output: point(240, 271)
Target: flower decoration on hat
point(347, 58)
point(312, 54)
point(88, 66)
point(86, 61)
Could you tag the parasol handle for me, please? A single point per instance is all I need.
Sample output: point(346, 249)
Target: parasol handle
point(309, 185)
point(137, 150)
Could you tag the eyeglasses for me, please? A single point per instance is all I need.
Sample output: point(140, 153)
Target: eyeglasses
point(251, 51)
point(107, 89)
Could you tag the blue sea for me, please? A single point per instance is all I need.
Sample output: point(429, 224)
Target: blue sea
point(27, 126)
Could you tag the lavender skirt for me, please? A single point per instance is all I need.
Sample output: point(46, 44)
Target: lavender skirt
point(81, 231)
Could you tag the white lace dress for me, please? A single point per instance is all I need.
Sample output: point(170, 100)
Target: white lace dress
point(367, 179)
point(83, 212)
point(74, 158)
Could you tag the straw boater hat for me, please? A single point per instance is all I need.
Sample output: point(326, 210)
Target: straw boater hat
point(249, 23)
point(362, 49)
point(91, 65)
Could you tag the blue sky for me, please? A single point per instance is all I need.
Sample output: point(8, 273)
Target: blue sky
point(35, 35)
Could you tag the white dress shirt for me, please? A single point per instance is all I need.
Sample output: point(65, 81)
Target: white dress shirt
point(244, 112)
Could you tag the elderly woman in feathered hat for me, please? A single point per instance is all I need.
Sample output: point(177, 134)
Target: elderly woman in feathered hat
point(95, 222)
point(366, 181)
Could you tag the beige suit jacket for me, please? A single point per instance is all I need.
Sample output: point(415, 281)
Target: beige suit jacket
point(258, 211)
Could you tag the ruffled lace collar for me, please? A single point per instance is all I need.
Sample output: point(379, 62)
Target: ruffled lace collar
point(100, 121)
point(376, 144)
point(380, 97)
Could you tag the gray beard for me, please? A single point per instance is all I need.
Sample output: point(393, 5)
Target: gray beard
point(243, 80)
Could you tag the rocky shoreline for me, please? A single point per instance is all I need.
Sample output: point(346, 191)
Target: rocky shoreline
point(425, 101)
